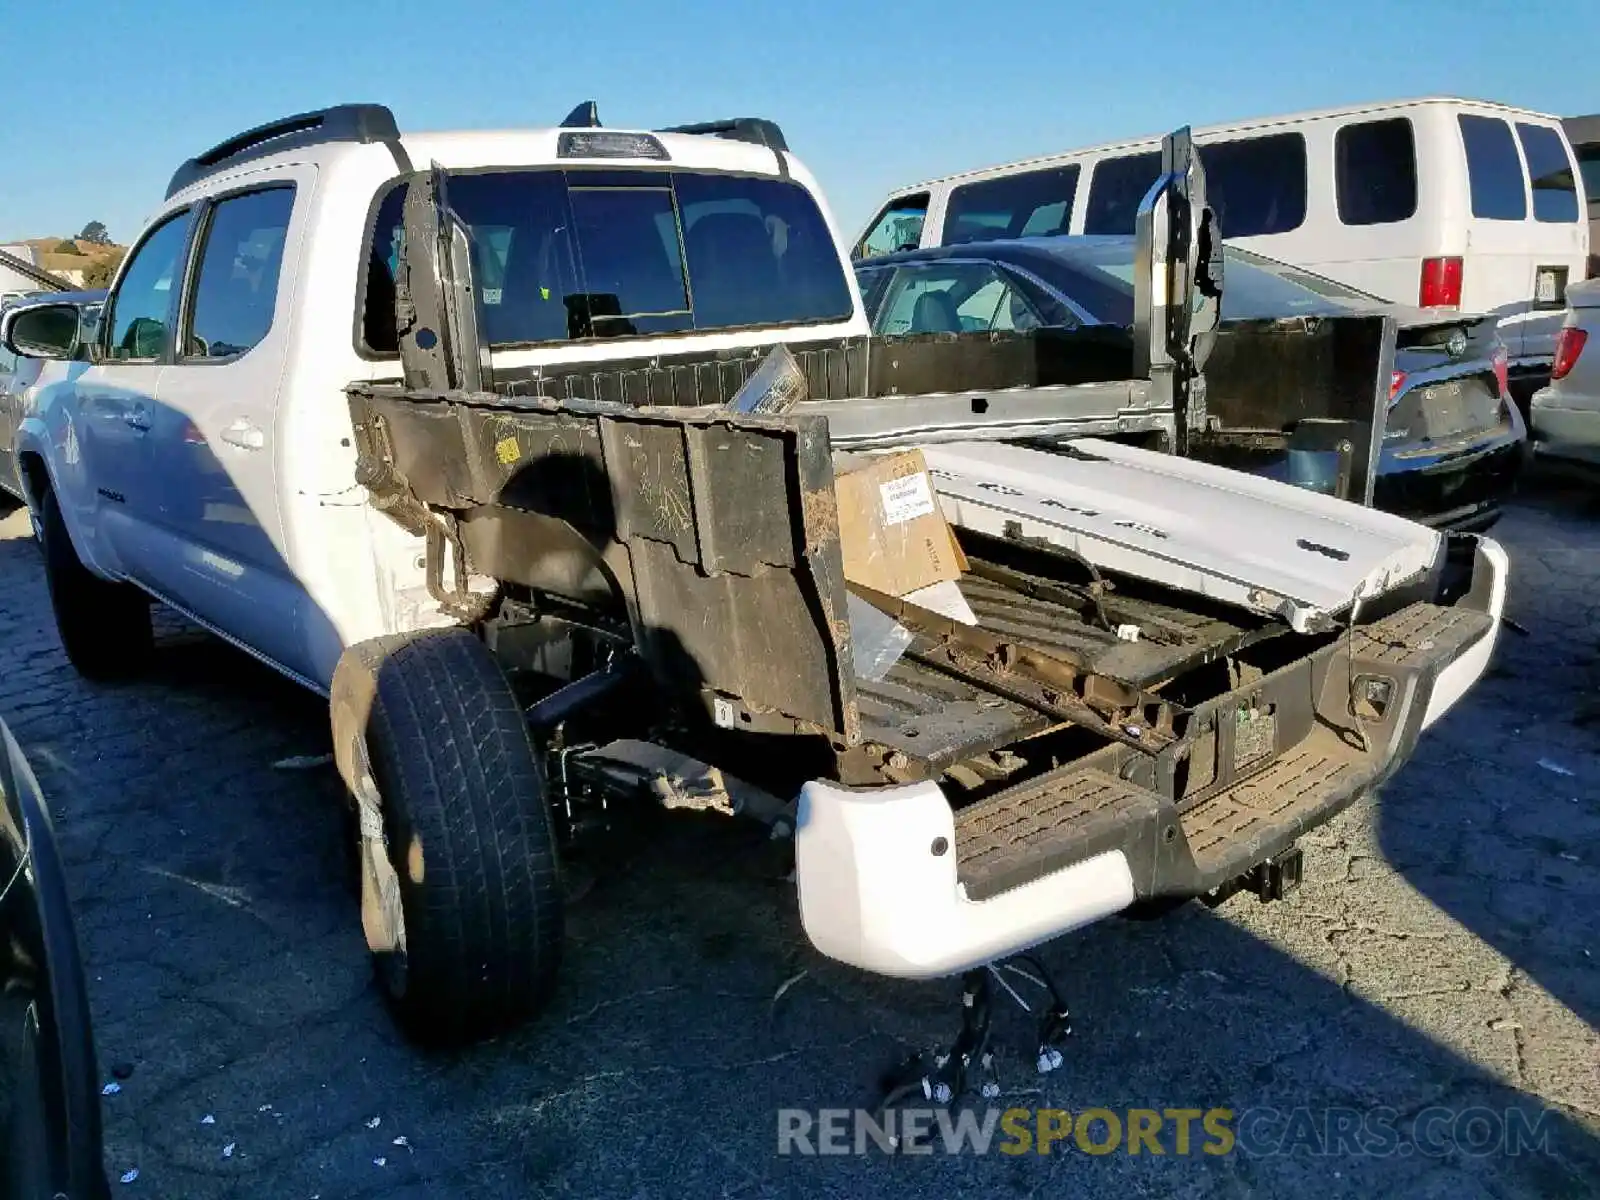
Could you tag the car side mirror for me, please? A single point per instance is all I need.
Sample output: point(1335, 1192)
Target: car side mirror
point(48, 331)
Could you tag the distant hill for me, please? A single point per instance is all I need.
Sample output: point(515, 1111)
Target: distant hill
point(91, 266)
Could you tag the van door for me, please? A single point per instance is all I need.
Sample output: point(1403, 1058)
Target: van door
point(219, 526)
point(1524, 240)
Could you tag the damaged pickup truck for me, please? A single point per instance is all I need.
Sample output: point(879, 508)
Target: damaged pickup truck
point(560, 552)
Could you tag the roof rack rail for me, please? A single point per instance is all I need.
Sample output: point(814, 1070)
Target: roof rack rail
point(342, 123)
point(740, 129)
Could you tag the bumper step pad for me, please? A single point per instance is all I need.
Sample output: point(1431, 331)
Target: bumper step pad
point(1026, 832)
point(1420, 633)
point(1232, 831)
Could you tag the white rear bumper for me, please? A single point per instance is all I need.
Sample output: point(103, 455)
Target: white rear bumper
point(873, 892)
point(876, 867)
point(1490, 576)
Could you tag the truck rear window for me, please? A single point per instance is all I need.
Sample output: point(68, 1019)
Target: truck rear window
point(572, 255)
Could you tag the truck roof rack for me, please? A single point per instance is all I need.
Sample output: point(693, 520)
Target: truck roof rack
point(342, 123)
point(758, 130)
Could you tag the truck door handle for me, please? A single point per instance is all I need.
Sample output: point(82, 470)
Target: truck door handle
point(244, 435)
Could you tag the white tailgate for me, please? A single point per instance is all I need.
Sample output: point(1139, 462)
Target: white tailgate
point(1263, 545)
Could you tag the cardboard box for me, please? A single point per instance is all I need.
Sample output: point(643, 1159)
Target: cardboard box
point(892, 532)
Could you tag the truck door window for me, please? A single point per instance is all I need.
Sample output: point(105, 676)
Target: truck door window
point(897, 227)
point(1555, 191)
point(1375, 171)
point(240, 260)
point(142, 308)
point(1494, 169)
point(1027, 204)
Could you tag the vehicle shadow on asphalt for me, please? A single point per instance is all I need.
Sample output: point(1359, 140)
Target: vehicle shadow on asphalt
point(1504, 836)
point(227, 969)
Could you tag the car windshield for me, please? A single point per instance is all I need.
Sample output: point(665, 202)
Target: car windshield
point(1253, 287)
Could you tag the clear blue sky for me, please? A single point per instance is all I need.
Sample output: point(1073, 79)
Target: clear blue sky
point(103, 99)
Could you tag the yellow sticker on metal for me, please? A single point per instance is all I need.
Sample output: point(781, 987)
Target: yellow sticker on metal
point(507, 450)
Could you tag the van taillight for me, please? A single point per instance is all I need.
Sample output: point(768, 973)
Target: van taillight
point(1569, 344)
point(1441, 283)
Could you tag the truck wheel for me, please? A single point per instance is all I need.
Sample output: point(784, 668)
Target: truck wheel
point(104, 626)
point(460, 888)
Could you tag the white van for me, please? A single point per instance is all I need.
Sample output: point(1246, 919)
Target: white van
point(1440, 202)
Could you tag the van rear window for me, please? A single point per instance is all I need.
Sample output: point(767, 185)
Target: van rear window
point(1494, 169)
point(1555, 192)
point(572, 255)
point(1029, 204)
point(1257, 186)
point(1375, 171)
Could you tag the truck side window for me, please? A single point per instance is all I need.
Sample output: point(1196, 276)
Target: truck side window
point(237, 288)
point(141, 310)
point(383, 259)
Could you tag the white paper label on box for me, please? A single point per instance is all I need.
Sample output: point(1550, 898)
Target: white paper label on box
point(906, 499)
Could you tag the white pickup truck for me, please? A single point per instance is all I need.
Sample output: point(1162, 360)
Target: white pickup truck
point(418, 420)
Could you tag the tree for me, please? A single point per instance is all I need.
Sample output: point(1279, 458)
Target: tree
point(99, 272)
point(95, 232)
point(65, 247)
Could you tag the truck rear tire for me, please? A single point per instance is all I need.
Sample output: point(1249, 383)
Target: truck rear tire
point(461, 895)
point(104, 627)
